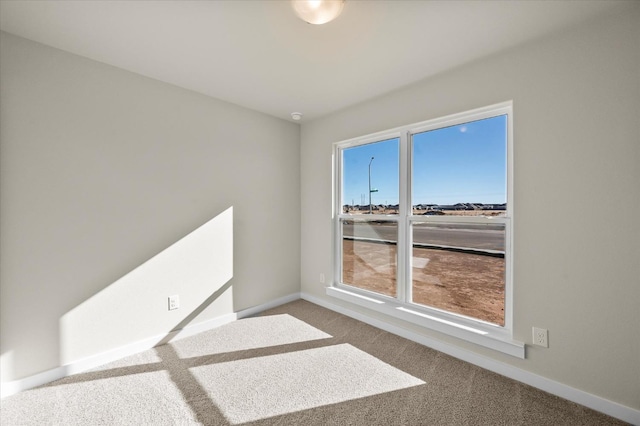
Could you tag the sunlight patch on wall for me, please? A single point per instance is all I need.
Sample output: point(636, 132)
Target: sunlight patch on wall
point(135, 307)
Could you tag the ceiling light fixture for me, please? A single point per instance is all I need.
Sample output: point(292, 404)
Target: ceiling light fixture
point(317, 12)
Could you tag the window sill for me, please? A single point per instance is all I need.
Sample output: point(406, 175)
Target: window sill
point(492, 339)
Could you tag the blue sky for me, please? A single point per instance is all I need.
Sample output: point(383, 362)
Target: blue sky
point(457, 164)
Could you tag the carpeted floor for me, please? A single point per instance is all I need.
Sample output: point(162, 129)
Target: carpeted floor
point(295, 364)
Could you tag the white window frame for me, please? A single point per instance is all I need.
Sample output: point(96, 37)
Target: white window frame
point(483, 333)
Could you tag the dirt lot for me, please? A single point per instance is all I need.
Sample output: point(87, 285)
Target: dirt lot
point(467, 284)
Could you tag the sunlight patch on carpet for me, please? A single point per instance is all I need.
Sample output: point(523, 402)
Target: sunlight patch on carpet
point(247, 334)
point(136, 399)
point(258, 388)
point(144, 358)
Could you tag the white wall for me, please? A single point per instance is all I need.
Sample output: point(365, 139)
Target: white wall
point(101, 170)
point(577, 194)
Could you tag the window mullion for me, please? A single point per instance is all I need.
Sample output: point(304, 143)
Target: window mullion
point(404, 255)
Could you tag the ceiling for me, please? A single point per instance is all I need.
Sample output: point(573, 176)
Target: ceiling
point(258, 54)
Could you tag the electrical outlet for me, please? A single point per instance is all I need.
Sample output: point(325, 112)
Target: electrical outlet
point(174, 302)
point(541, 337)
point(322, 278)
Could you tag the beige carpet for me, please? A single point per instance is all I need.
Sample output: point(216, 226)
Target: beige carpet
point(296, 364)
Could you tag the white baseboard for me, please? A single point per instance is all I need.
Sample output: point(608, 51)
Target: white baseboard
point(269, 305)
point(79, 366)
point(594, 402)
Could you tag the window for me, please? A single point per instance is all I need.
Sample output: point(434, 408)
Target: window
point(369, 246)
point(423, 224)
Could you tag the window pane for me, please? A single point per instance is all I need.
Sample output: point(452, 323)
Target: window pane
point(461, 170)
point(460, 268)
point(370, 178)
point(369, 255)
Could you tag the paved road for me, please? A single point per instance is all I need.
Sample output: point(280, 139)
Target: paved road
point(458, 236)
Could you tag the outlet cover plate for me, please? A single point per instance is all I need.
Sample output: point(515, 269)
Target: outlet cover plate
point(174, 302)
point(541, 337)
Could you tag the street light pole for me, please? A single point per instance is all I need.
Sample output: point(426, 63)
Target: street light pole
point(370, 210)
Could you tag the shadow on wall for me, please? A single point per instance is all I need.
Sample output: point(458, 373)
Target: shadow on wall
point(198, 268)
